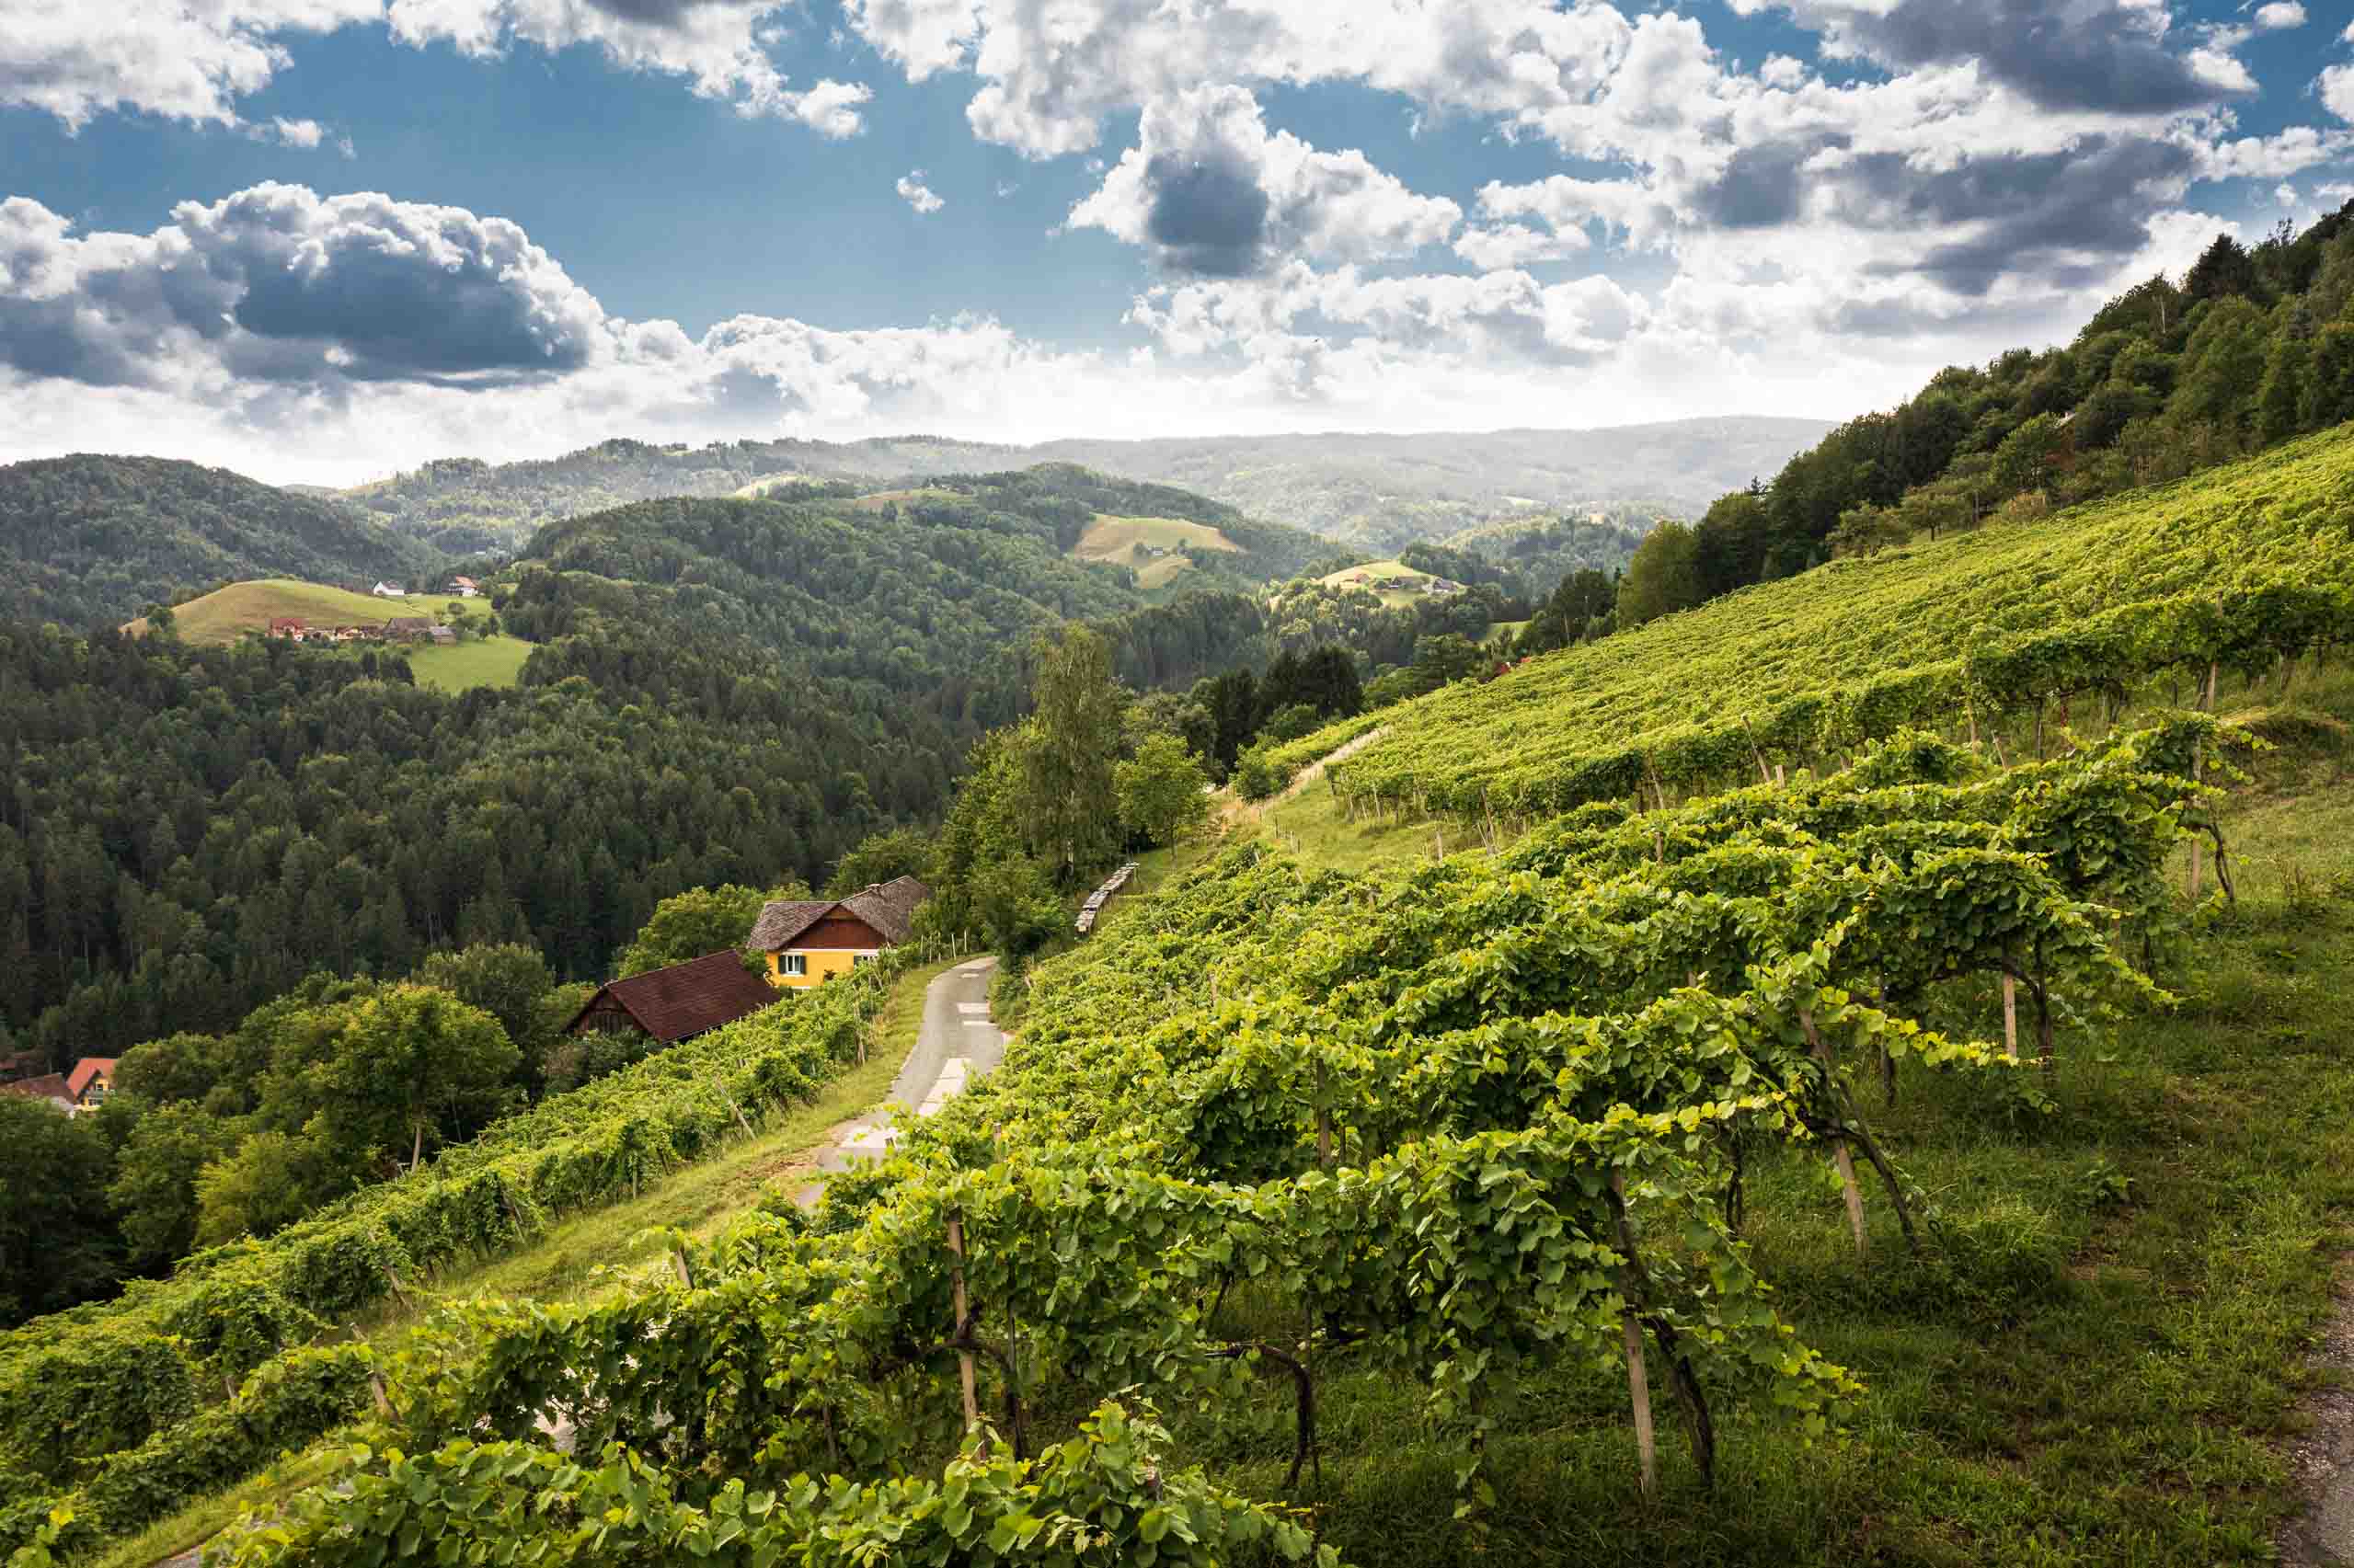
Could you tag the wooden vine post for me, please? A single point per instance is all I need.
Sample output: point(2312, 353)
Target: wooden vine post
point(2010, 1015)
point(1840, 1156)
point(721, 1085)
point(964, 1324)
point(1639, 1382)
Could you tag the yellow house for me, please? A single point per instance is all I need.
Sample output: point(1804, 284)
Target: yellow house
point(809, 941)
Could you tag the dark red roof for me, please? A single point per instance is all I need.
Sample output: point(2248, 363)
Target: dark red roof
point(687, 999)
point(48, 1086)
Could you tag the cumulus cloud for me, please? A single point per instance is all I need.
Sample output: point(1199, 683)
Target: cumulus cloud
point(917, 194)
point(193, 61)
point(2336, 86)
point(2280, 15)
point(2108, 55)
point(74, 59)
point(275, 285)
point(1211, 192)
point(1507, 245)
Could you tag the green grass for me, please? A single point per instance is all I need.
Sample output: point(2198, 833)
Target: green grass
point(1394, 583)
point(226, 613)
point(1120, 540)
point(486, 661)
point(2101, 1357)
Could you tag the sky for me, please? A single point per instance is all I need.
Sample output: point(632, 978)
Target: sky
point(324, 240)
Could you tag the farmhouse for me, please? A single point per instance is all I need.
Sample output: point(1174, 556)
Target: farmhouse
point(91, 1080)
point(444, 636)
point(289, 627)
point(386, 590)
point(408, 628)
point(677, 1004)
point(809, 941)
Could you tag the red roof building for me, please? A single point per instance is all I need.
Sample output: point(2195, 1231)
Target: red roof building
point(91, 1080)
point(679, 1002)
point(50, 1087)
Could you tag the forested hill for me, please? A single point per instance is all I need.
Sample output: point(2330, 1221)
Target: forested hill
point(2252, 347)
point(1376, 491)
point(90, 540)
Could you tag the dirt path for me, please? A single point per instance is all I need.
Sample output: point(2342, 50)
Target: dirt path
point(1314, 769)
point(2323, 1537)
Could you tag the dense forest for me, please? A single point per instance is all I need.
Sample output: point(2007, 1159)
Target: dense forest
point(188, 832)
point(85, 540)
point(2252, 345)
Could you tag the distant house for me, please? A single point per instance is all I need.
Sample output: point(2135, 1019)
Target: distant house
point(91, 1080)
point(49, 1086)
point(677, 1004)
point(809, 941)
point(289, 627)
point(465, 588)
point(444, 636)
point(386, 590)
point(408, 628)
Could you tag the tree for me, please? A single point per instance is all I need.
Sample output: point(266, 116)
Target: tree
point(156, 1176)
point(2224, 269)
point(1072, 741)
point(57, 1243)
point(1664, 576)
point(696, 923)
point(2024, 460)
point(2280, 401)
point(2222, 365)
point(1232, 700)
point(1162, 792)
point(1442, 659)
point(383, 1075)
point(881, 857)
point(510, 982)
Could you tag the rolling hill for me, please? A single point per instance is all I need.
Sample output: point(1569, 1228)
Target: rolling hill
point(1152, 547)
point(221, 617)
point(1374, 491)
point(87, 540)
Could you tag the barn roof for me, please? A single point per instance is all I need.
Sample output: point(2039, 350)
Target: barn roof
point(687, 999)
point(888, 907)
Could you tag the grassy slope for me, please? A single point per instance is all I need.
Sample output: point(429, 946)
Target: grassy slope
point(1859, 618)
point(227, 613)
point(592, 1253)
point(1395, 583)
point(1117, 539)
point(488, 661)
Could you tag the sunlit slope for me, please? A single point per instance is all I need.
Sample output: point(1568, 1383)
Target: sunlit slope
point(2241, 564)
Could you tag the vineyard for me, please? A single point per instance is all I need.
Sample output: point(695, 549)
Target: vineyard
point(2011, 630)
point(1510, 1139)
point(124, 1410)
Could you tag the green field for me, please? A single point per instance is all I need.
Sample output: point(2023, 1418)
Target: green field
point(486, 661)
point(1396, 584)
point(1122, 541)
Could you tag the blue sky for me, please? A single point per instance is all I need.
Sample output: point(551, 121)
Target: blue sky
point(321, 239)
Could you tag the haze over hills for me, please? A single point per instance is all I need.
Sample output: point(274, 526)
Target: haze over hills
point(1378, 492)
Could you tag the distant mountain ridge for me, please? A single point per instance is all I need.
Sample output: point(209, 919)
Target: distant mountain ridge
point(87, 540)
point(1374, 492)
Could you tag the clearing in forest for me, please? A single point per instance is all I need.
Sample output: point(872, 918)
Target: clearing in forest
point(1150, 546)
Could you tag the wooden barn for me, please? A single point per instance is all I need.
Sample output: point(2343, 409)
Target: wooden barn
point(677, 1004)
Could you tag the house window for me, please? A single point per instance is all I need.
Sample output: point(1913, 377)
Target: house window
point(858, 958)
point(796, 963)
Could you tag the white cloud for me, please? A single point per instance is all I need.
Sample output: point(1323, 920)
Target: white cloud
point(193, 60)
point(1211, 191)
point(1506, 245)
point(2336, 86)
point(77, 58)
point(287, 132)
point(2280, 15)
point(912, 190)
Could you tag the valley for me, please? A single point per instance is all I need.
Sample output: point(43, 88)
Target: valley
point(1807, 1033)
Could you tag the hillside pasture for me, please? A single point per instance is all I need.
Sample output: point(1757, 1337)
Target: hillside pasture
point(1398, 585)
point(486, 661)
point(225, 614)
point(1125, 541)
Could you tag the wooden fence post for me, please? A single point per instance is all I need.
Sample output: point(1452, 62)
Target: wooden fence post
point(1840, 1156)
point(1639, 1382)
point(2010, 1015)
point(964, 1327)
